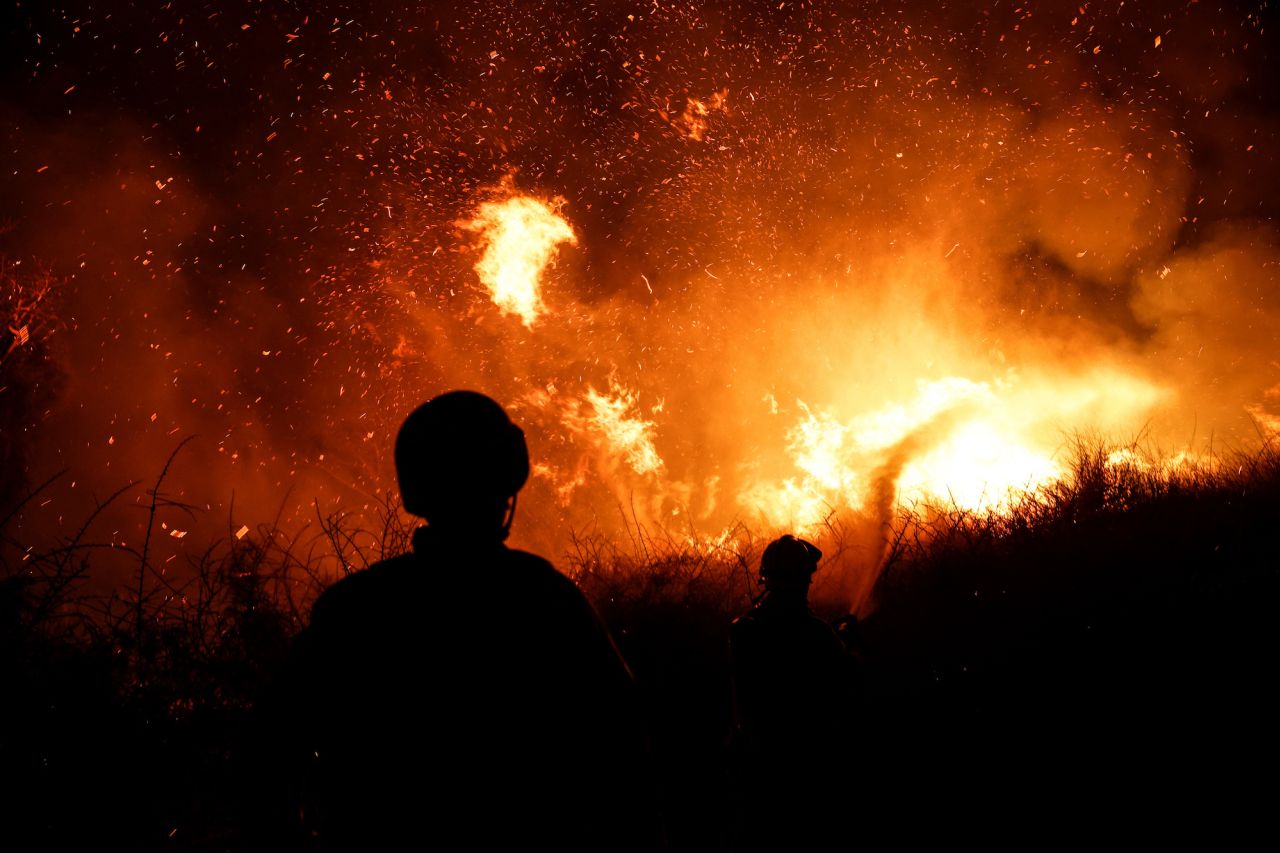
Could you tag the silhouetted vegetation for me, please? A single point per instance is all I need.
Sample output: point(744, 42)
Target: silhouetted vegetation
point(29, 376)
point(1105, 649)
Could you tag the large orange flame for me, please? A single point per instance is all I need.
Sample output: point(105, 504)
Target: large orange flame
point(973, 444)
point(521, 236)
point(957, 443)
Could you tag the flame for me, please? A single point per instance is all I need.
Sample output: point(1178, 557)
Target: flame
point(959, 443)
point(692, 123)
point(616, 425)
point(629, 436)
point(937, 264)
point(520, 235)
point(1182, 462)
point(979, 467)
point(955, 441)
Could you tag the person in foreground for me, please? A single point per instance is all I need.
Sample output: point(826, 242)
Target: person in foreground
point(464, 695)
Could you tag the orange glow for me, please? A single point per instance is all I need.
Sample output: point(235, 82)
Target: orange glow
point(615, 423)
point(1266, 414)
point(980, 467)
point(521, 236)
point(692, 123)
point(848, 392)
point(923, 419)
point(807, 269)
point(956, 443)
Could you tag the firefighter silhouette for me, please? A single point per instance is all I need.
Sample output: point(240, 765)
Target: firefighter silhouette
point(465, 693)
point(794, 692)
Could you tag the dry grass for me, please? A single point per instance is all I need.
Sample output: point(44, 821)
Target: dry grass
point(1089, 587)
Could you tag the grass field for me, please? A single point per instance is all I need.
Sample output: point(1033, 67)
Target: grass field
point(1104, 651)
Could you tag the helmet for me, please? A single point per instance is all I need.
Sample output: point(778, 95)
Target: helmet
point(789, 556)
point(459, 448)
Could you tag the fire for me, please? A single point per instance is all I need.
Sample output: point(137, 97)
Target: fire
point(957, 443)
point(1182, 462)
point(941, 272)
point(616, 424)
point(979, 467)
point(952, 442)
point(521, 236)
point(692, 123)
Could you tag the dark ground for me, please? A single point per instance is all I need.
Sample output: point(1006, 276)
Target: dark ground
point(1100, 667)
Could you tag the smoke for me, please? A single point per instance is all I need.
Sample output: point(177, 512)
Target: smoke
point(1215, 309)
point(780, 210)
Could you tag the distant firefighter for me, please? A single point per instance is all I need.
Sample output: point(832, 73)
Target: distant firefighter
point(794, 690)
point(464, 695)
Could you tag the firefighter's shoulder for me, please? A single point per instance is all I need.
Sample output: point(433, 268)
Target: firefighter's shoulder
point(362, 588)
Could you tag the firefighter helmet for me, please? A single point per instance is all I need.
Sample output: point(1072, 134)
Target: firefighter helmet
point(459, 448)
point(789, 556)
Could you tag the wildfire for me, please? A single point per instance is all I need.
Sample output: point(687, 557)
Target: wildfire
point(924, 263)
point(520, 236)
point(978, 467)
point(616, 423)
point(957, 443)
point(1182, 462)
point(953, 442)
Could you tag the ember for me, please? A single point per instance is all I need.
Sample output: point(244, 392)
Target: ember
point(980, 298)
point(725, 271)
